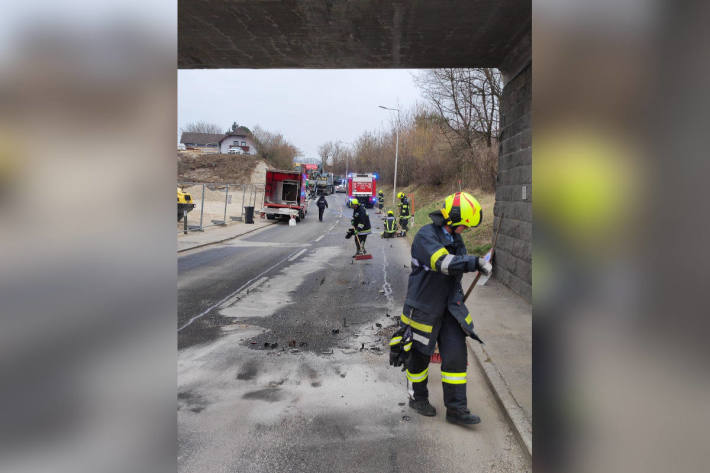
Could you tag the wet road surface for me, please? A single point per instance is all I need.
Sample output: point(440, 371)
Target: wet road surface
point(282, 362)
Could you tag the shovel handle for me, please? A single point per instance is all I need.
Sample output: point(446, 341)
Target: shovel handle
point(478, 274)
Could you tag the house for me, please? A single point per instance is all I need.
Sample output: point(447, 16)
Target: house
point(206, 142)
point(239, 141)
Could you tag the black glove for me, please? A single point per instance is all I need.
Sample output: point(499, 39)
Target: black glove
point(398, 355)
point(350, 233)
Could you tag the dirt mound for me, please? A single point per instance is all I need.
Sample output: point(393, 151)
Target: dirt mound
point(218, 168)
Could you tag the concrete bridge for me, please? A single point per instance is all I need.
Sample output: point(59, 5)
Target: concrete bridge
point(396, 34)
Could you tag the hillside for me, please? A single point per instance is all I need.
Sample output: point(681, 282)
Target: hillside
point(217, 168)
point(426, 199)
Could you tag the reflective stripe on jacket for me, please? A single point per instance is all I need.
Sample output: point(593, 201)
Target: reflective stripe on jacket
point(390, 225)
point(360, 221)
point(435, 281)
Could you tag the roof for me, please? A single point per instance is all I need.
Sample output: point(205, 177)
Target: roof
point(241, 131)
point(201, 138)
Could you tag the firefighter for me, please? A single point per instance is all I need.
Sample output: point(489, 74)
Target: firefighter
point(360, 226)
point(380, 200)
point(322, 204)
point(390, 226)
point(434, 311)
point(403, 211)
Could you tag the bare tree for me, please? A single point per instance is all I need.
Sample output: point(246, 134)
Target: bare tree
point(274, 148)
point(201, 127)
point(330, 153)
point(467, 101)
point(467, 104)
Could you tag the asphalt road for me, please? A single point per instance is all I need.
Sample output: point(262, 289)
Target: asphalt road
point(282, 362)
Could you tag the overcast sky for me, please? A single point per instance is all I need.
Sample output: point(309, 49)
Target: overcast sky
point(309, 107)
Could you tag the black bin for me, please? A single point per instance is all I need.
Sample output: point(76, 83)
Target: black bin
point(248, 214)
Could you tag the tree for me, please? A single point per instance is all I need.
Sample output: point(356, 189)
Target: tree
point(236, 126)
point(467, 100)
point(273, 148)
point(330, 153)
point(201, 127)
point(467, 104)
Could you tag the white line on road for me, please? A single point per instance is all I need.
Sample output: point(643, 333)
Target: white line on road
point(209, 309)
point(319, 238)
point(236, 297)
point(297, 255)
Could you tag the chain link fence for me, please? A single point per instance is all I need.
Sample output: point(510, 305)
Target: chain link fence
point(219, 204)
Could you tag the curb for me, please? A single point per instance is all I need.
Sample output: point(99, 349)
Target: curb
point(513, 412)
point(224, 239)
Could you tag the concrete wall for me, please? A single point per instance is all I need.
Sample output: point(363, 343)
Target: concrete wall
point(514, 186)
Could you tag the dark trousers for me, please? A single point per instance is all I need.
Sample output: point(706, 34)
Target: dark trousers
point(403, 222)
point(320, 213)
point(452, 347)
point(360, 241)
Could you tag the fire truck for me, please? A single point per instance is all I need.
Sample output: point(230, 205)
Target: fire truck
point(363, 187)
point(285, 195)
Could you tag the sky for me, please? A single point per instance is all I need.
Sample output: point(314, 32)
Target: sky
point(309, 107)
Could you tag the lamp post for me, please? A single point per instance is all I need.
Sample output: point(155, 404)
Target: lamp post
point(396, 151)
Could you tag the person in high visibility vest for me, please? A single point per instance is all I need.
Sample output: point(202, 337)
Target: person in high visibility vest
point(390, 226)
point(380, 200)
point(434, 311)
point(360, 226)
point(403, 211)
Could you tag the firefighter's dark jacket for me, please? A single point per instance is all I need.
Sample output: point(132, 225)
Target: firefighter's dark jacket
point(321, 202)
point(404, 207)
point(435, 282)
point(360, 221)
point(390, 225)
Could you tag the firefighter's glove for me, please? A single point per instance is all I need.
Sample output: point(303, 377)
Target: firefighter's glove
point(484, 266)
point(400, 346)
point(350, 233)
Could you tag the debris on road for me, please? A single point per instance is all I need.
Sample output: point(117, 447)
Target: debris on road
point(336, 331)
point(406, 418)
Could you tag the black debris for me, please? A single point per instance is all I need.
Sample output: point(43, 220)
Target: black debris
point(400, 403)
point(362, 347)
point(406, 418)
point(377, 324)
point(336, 331)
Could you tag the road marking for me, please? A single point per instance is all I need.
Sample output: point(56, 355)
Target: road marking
point(319, 238)
point(297, 255)
point(232, 294)
point(234, 298)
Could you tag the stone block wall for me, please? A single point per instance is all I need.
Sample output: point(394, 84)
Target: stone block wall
point(514, 187)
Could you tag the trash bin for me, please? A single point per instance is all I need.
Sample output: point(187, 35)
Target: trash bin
point(248, 214)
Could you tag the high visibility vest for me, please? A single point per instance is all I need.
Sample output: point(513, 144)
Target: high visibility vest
point(390, 225)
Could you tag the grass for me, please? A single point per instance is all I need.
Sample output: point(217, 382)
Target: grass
point(427, 199)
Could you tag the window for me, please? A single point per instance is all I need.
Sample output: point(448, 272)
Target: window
point(244, 143)
point(235, 143)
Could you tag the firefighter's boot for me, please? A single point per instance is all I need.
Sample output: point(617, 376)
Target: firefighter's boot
point(461, 417)
point(423, 407)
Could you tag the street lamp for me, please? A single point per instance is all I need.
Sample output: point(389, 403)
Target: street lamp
point(396, 151)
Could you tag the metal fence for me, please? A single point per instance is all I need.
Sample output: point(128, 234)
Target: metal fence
point(219, 204)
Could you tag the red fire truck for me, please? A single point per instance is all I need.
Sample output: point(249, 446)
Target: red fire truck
point(363, 187)
point(285, 195)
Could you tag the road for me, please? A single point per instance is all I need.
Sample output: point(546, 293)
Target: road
point(282, 361)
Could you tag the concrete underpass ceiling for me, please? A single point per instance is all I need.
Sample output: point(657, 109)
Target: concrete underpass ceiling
point(349, 33)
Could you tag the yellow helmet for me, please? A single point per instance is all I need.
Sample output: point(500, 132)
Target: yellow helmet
point(354, 202)
point(400, 195)
point(389, 212)
point(462, 208)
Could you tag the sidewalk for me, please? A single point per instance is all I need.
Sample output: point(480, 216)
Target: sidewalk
point(503, 320)
point(218, 233)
